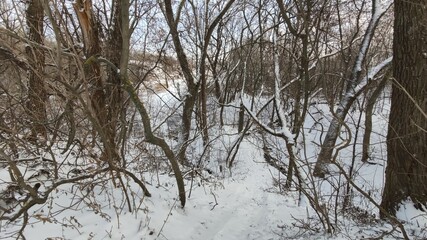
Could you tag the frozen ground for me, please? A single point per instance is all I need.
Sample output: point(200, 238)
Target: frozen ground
point(246, 202)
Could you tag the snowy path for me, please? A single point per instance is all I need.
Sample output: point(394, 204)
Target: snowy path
point(243, 206)
point(245, 210)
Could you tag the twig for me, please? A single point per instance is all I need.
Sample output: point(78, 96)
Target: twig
point(166, 220)
point(216, 202)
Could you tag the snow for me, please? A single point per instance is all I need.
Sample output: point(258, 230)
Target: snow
point(378, 11)
point(239, 208)
point(408, 213)
point(245, 202)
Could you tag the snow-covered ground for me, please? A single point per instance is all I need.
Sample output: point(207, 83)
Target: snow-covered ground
point(245, 202)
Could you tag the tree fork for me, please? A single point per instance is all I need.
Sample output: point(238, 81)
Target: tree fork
point(149, 135)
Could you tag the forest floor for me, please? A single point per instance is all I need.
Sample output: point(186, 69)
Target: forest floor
point(247, 201)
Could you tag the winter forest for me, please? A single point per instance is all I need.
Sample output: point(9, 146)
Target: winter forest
point(213, 119)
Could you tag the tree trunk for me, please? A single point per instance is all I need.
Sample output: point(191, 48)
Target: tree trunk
point(37, 95)
point(92, 48)
point(114, 93)
point(203, 100)
point(325, 155)
point(368, 117)
point(406, 176)
point(190, 98)
point(192, 84)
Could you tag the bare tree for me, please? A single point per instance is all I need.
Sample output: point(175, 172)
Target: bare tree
point(114, 52)
point(325, 155)
point(310, 18)
point(94, 82)
point(37, 95)
point(193, 84)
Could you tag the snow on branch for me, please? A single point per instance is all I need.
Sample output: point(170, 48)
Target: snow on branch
point(346, 101)
point(277, 100)
point(377, 12)
point(284, 131)
point(372, 73)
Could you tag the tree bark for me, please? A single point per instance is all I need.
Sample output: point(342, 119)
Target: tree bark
point(115, 53)
point(368, 117)
point(92, 48)
point(37, 95)
point(406, 176)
